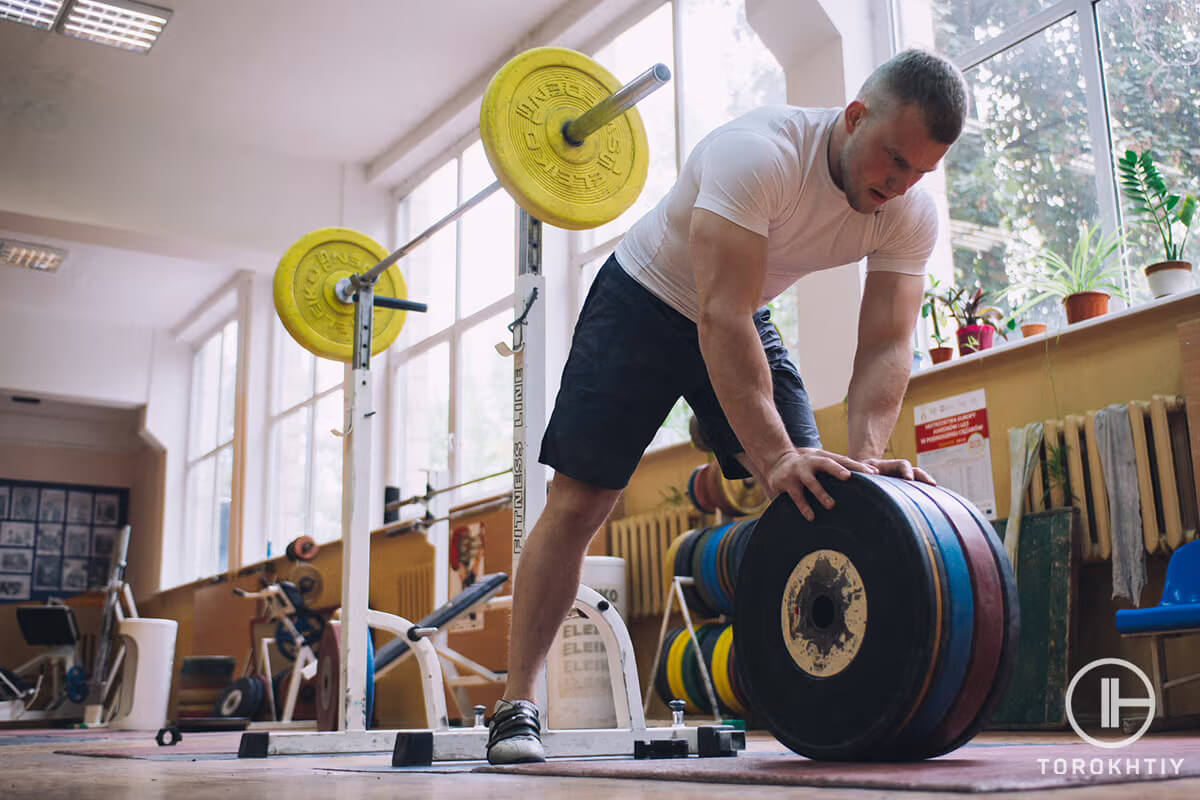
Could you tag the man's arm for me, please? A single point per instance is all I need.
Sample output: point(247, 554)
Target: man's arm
point(882, 364)
point(730, 264)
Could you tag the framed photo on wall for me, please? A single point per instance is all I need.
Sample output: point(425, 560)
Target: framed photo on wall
point(57, 539)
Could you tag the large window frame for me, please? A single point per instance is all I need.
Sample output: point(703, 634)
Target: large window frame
point(1086, 15)
point(191, 557)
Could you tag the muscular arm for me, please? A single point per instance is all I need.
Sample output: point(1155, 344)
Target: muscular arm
point(883, 360)
point(730, 264)
point(730, 267)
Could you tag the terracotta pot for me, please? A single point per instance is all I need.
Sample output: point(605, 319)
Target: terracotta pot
point(939, 354)
point(1085, 305)
point(1169, 277)
point(984, 336)
point(1030, 329)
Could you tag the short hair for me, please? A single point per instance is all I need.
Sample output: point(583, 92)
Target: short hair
point(927, 80)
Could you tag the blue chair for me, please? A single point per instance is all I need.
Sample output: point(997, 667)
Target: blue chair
point(1177, 614)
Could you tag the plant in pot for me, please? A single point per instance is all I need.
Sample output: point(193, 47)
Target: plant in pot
point(1085, 283)
point(977, 323)
point(930, 311)
point(1142, 183)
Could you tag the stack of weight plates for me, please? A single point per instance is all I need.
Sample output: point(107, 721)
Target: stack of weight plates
point(710, 491)
point(678, 674)
point(711, 557)
point(884, 630)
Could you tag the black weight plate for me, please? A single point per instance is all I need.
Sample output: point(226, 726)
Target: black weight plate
point(858, 591)
point(693, 684)
point(661, 685)
point(1012, 622)
point(696, 570)
point(683, 568)
point(708, 642)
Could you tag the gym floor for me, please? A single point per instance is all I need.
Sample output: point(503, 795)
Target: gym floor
point(42, 766)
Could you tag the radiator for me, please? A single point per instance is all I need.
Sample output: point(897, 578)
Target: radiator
point(642, 540)
point(1068, 472)
point(415, 585)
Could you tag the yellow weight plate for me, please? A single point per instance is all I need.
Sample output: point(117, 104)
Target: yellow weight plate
point(744, 495)
point(720, 670)
point(521, 118)
point(668, 567)
point(675, 668)
point(307, 305)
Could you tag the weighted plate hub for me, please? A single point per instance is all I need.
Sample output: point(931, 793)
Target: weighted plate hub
point(884, 630)
point(525, 109)
point(306, 299)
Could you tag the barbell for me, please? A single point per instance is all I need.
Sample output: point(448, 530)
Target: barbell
point(564, 139)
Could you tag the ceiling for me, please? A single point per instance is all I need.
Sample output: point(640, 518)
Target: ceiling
point(333, 83)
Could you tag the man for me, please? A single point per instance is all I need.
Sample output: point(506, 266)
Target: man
point(762, 201)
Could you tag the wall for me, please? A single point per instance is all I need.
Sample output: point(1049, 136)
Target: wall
point(70, 444)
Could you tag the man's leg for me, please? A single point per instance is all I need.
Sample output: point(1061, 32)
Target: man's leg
point(547, 581)
point(548, 575)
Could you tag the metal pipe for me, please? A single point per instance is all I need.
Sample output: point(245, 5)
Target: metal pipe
point(574, 131)
point(615, 104)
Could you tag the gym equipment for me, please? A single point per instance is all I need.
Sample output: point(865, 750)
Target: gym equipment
point(298, 634)
point(710, 491)
point(52, 684)
point(537, 121)
point(884, 630)
point(563, 137)
point(439, 742)
point(302, 548)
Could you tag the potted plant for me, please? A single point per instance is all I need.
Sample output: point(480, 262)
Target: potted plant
point(930, 311)
point(977, 326)
point(1142, 183)
point(1084, 283)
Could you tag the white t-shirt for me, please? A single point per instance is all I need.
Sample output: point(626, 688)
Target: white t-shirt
point(768, 172)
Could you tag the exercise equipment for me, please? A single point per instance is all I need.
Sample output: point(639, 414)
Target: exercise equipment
point(302, 548)
point(710, 491)
point(438, 741)
point(554, 144)
point(569, 152)
point(886, 629)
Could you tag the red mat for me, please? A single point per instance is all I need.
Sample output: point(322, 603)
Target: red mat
point(976, 768)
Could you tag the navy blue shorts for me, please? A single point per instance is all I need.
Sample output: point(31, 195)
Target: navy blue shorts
point(632, 357)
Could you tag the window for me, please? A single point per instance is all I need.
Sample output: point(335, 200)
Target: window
point(1050, 111)
point(306, 455)
point(204, 548)
point(453, 391)
point(723, 70)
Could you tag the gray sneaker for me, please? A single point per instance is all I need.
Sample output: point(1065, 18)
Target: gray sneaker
point(515, 734)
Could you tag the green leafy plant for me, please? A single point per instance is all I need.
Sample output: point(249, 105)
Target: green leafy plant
point(1089, 269)
point(966, 306)
point(929, 310)
point(1142, 183)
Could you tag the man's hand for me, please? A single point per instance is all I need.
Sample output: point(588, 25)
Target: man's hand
point(900, 468)
point(797, 470)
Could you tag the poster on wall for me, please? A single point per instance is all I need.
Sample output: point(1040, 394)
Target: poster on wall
point(466, 566)
point(57, 539)
point(954, 447)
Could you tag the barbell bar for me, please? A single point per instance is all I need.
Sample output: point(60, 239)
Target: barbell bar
point(562, 136)
point(574, 131)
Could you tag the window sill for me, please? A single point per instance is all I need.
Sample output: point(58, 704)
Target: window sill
point(1114, 317)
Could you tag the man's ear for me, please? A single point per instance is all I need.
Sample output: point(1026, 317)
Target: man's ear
point(856, 113)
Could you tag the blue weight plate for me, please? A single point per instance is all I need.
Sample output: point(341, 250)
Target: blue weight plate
point(708, 604)
point(954, 660)
point(708, 568)
point(1012, 622)
point(838, 622)
point(683, 568)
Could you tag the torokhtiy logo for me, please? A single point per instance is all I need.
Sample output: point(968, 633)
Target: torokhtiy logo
point(1111, 703)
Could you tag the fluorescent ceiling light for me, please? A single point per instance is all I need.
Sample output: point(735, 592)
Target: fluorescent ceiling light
point(38, 13)
point(117, 23)
point(32, 256)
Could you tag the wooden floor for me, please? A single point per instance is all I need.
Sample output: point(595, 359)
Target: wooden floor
point(35, 770)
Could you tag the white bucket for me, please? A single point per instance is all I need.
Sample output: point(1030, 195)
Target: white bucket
point(146, 674)
point(579, 688)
